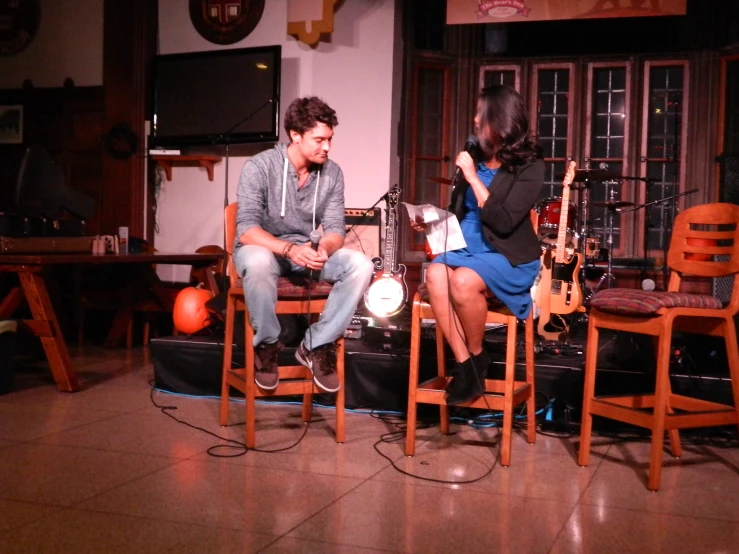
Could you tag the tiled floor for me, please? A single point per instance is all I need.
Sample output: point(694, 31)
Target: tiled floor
point(103, 470)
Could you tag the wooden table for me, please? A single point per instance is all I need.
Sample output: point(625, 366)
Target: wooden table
point(45, 325)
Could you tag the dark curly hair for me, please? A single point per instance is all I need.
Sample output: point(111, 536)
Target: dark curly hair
point(305, 113)
point(504, 127)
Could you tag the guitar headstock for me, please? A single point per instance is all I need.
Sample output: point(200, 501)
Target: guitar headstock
point(570, 174)
point(392, 196)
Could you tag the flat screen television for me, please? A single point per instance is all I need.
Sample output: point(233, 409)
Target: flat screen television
point(217, 97)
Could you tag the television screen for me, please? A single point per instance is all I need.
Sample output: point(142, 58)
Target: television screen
point(217, 97)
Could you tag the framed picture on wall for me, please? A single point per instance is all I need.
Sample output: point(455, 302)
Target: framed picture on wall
point(11, 124)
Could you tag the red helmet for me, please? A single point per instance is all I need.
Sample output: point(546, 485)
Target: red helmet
point(190, 314)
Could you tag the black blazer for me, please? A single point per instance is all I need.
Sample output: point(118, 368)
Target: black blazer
point(506, 221)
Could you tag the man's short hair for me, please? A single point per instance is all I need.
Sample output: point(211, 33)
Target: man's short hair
point(305, 113)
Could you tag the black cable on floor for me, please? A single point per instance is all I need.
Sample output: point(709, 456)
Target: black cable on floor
point(235, 444)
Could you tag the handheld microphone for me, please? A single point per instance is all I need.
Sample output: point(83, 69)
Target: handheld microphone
point(470, 146)
point(315, 237)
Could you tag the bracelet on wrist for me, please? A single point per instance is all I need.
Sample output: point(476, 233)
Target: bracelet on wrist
point(286, 251)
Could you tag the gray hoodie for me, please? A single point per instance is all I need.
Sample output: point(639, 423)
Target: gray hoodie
point(269, 198)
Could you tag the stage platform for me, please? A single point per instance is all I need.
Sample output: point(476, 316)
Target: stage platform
point(377, 367)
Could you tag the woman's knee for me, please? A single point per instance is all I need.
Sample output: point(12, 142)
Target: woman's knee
point(436, 279)
point(464, 284)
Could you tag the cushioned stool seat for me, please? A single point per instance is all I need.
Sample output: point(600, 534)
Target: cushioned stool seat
point(633, 301)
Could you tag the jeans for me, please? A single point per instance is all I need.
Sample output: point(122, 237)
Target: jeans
point(349, 270)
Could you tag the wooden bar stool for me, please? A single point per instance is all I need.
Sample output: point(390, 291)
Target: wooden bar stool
point(701, 245)
point(292, 298)
point(500, 394)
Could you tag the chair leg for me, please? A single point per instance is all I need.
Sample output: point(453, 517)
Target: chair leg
point(340, 395)
point(410, 431)
point(591, 359)
point(441, 368)
point(81, 328)
point(147, 328)
point(227, 357)
point(307, 403)
point(531, 402)
point(732, 351)
point(660, 407)
point(129, 333)
point(676, 449)
point(250, 385)
point(510, 377)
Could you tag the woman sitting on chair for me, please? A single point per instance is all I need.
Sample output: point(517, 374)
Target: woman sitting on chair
point(493, 204)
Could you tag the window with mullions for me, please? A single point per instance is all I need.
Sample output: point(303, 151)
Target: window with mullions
point(731, 125)
point(607, 141)
point(429, 149)
point(499, 77)
point(552, 124)
point(664, 136)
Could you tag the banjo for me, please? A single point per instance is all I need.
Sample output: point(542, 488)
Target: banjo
point(388, 292)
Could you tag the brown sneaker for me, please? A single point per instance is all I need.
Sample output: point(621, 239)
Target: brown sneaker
point(266, 374)
point(322, 363)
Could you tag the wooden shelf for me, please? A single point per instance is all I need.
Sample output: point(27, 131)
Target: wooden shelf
point(167, 162)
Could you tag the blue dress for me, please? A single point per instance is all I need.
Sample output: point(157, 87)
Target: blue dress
point(512, 285)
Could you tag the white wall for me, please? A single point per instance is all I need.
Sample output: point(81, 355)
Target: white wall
point(358, 74)
point(69, 43)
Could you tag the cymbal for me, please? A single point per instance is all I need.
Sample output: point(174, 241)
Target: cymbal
point(442, 180)
point(612, 204)
point(582, 175)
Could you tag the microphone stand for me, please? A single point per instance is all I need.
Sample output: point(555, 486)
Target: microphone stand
point(225, 138)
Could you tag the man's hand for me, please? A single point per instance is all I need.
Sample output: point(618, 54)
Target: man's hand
point(304, 256)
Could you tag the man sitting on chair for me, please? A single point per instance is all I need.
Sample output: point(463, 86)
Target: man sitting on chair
point(283, 194)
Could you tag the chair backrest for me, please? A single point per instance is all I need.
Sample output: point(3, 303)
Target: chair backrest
point(705, 243)
point(230, 223)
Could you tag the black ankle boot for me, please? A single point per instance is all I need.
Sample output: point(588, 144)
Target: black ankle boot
point(480, 362)
point(464, 387)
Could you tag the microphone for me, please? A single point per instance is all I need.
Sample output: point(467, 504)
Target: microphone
point(470, 146)
point(315, 237)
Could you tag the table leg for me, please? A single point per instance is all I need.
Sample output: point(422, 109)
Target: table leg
point(57, 354)
point(11, 303)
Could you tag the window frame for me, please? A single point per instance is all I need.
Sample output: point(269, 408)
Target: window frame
point(628, 188)
point(644, 145)
point(409, 245)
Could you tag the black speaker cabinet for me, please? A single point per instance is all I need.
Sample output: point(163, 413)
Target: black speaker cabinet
point(363, 230)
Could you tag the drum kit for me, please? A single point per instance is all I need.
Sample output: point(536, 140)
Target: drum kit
point(581, 234)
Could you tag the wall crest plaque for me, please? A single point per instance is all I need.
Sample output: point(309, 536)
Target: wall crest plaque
point(225, 21)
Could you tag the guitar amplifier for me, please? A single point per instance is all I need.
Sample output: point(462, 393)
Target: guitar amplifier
point(363, 230)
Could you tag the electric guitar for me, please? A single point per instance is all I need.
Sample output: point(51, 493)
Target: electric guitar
point(562, 273)
point(388, 292)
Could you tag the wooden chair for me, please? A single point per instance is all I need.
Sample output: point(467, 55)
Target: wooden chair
point(292, 298)
point(699, 240)
point(500, 394)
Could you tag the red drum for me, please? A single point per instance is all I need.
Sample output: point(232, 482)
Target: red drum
point(549, 211)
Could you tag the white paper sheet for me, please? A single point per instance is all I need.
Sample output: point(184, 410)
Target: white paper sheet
point(443, 232)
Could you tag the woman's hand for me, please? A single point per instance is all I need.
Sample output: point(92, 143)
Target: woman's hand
point(465, 162)
point(418, 225)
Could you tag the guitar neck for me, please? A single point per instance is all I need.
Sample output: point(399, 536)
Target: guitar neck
point(389, 262)
point(562, 231)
